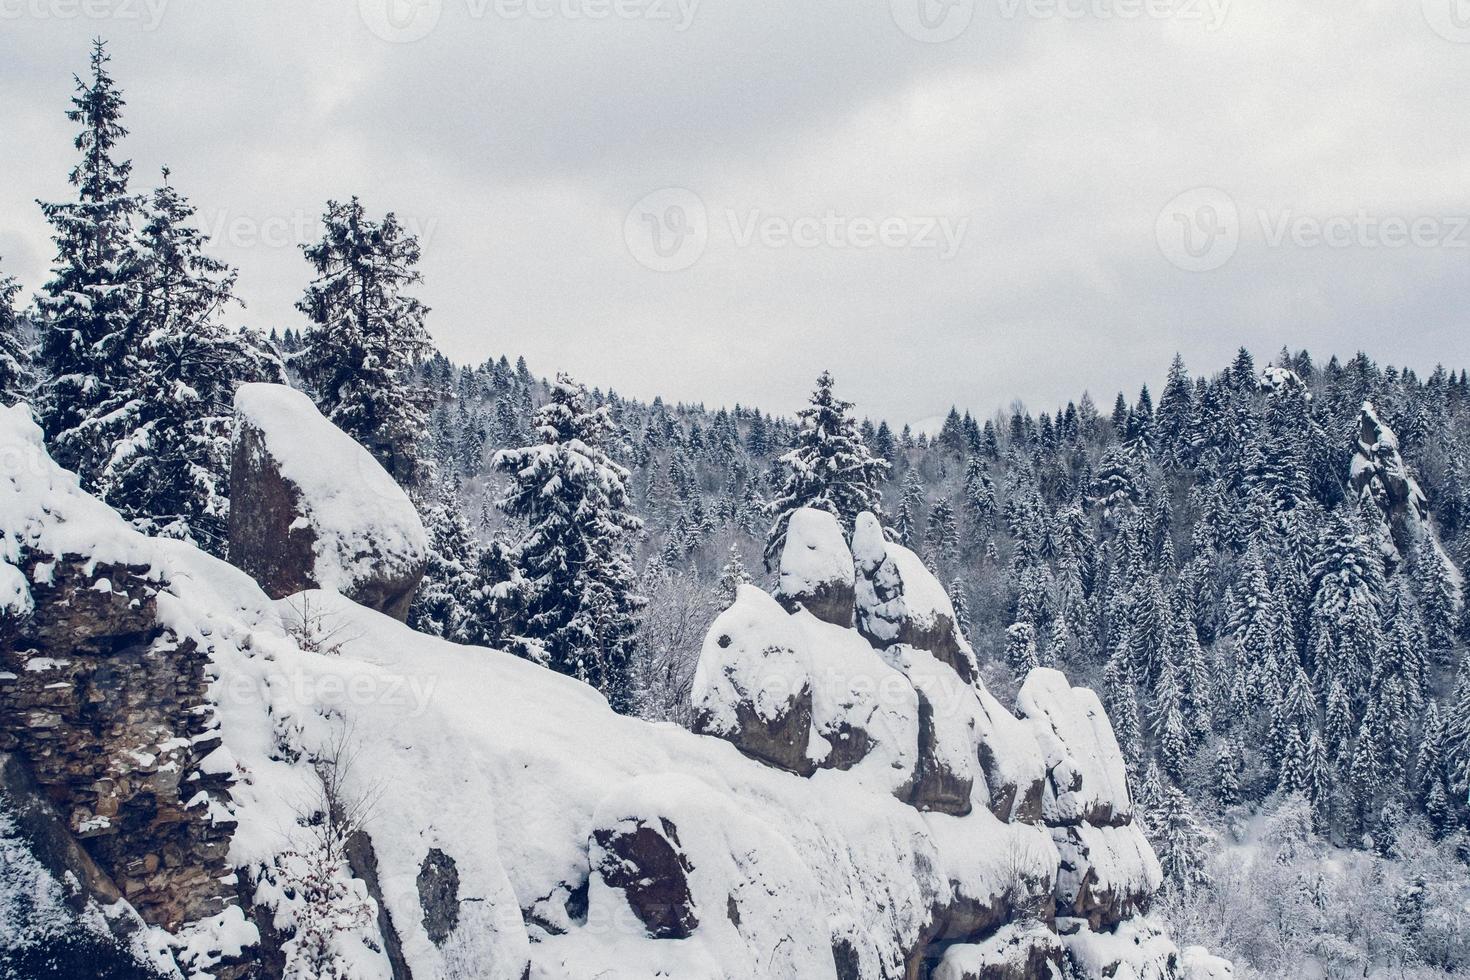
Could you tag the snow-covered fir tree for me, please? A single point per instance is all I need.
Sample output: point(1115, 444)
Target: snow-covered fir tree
point(15, 370)
point(579, 601)
point(88, 309)
point(168, 469)
point(829, 468)
point(366, 334)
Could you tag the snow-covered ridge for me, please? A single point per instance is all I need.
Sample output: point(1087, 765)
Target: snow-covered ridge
point(517, 826)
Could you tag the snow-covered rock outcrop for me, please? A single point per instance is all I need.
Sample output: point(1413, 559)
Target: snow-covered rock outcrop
point(518, 827)
point(310, 508)
point(900, 602)
point(1030, 816)
point(1378, 473)
point(816, 568)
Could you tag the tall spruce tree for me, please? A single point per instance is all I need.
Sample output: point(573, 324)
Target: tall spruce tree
point(829, 468)
point(88, 308)
point(579, 602)
point(367, 334)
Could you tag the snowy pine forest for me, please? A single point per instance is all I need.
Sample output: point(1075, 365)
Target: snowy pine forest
point(1257, 565)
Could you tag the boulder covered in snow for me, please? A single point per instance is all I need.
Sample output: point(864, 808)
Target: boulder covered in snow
point(1086, 779)
point(752, 686)
point(899, 601)
point(801, 694)
point(1108, 874)
point(816, 568)
point(310, 508)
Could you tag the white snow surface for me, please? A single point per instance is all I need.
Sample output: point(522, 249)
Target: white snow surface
point(361, 518)
point(43, 509)
point(815, 554)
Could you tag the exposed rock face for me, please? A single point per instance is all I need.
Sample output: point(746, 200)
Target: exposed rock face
point(1052, 775)
point(899, 601)
point(877, 864)
point(110, 711)
point(816, 568)
point(1108, 872)
point(310, 508)
point(645, 860)
point(438, 884)
point(1086, 778)
point(1379, 471)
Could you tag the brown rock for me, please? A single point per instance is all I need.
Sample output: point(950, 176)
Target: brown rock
point(646, 861)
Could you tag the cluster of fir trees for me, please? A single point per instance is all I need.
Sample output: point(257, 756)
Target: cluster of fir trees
point(134, 371)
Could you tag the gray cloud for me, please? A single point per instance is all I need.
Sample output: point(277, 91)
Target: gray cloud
point(518, 145)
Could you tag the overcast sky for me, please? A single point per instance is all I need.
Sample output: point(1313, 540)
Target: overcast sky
point(942, 201)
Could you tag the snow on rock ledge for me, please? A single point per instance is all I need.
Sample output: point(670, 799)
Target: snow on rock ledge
point(310, 508)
